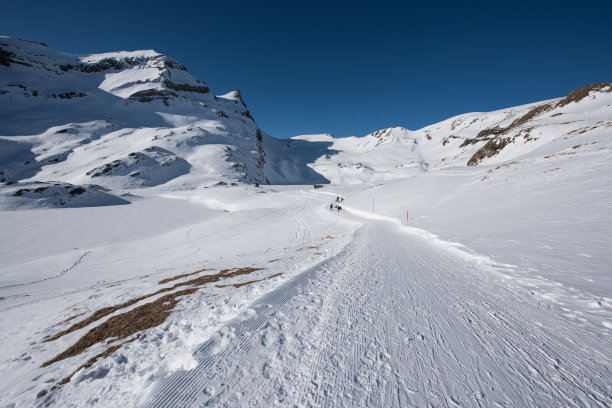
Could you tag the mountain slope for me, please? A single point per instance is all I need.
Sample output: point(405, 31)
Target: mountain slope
point(545, 129)
point(121, 120)
point(126, 120)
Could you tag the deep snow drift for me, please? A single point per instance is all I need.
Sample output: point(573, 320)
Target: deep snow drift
point(141, 267)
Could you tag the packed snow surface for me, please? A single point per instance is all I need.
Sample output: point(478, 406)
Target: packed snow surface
point(495, 293)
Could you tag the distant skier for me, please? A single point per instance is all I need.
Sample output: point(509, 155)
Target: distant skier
point(339, 208)
point(337, 199)
point(331, 207)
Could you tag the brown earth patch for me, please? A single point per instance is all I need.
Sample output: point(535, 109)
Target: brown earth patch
point(548, 171)
point(125, 324)
point(241, 284)
point(273, 260)
point(581, 93)
point(199, 281)
point(490, 149)
point(72, 318)
point(95, 358)
point(538, 110)
point(177, 277)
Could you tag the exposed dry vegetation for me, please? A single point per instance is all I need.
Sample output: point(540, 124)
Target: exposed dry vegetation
point(184, 275)
point(581, 93)
point(241, 284)
point(95, 358)
point(490, 149)
point(494, 135)
point(538, 110)
point(125, 324)
point(140, 318)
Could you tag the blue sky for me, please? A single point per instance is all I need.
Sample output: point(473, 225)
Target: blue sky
point(347, 67)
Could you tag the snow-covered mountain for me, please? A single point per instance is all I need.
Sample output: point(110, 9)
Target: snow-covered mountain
point(127, 120)
point(119, 120)
point(567, 125)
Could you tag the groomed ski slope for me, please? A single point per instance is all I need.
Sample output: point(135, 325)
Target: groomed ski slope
point(393, 319)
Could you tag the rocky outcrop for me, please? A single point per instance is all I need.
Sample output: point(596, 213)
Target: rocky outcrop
point(490, 149)
point(581, 93)
point(201, 89)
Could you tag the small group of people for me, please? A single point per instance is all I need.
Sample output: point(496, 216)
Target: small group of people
point(333, 207)
point(337, 207)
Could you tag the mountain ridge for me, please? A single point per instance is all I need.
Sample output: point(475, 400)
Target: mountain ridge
point(132, 119)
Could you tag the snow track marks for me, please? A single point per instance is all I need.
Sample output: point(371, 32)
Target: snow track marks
point(391, 321)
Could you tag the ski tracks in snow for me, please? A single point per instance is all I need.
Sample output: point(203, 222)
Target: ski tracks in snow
point(391, 321)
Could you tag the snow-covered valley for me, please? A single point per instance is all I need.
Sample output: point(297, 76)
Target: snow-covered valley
point(141, 265)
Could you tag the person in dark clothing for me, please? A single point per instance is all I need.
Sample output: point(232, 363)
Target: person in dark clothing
point(331, 207)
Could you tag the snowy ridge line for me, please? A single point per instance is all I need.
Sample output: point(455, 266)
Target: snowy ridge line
point(63, 272)
point(233, 339)
point(454, 248)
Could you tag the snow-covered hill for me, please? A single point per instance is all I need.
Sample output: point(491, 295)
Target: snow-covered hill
point(126, 120)
point(568, 125)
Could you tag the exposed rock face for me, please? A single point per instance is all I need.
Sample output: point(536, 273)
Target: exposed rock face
point(498, 137)
point(158, 61)
point(202, 89)
point(60, 195)
point(581, 93)
point(140, 98)
point(490, 149)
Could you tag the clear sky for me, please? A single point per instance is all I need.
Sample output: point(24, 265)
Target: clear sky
point(347, 67)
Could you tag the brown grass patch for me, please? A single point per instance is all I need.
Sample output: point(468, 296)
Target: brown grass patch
point(241, 284)
point(177, 277)
point(125, 324)
point(199, 281)
point(548, 171)
point(581, 93)
point(538, 110)
point(490, 149)
point(273, 260)
point(575, 147)
point(72, 318)
point(99, 314)
point(95, 358)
